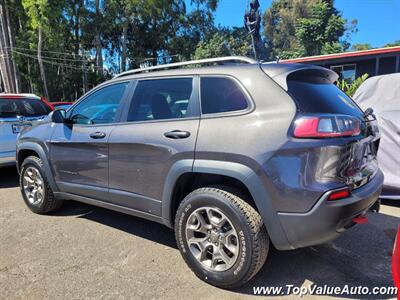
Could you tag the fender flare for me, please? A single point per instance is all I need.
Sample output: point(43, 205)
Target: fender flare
point(240, 172)
point(43, 157)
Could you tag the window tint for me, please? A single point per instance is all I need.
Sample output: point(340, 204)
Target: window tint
point(161, 99)
point(221, 95)
point(322, 98)
point(100, 107)
point(22, 107)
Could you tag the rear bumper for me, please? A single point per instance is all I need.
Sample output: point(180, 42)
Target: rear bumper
point(7, 158)
point(327, 219)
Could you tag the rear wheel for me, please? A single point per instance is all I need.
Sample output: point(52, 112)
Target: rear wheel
point(221, 237)
point(35, 188)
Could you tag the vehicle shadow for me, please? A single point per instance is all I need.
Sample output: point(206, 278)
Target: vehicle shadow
point(139, 227)
point(359, 257)
point(9, 177)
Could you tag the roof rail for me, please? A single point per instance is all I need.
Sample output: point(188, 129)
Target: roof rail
point(241, 59)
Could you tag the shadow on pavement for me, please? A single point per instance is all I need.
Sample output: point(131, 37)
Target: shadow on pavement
point(130, 224)
point(9, 177)
point(359, 257)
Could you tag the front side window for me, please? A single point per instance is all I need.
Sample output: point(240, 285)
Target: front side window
point(101, 106)
point(161, 99)
point(220, 94)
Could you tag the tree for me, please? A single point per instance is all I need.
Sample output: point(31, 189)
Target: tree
point(39, 12)
point(295, 28)
point(360, 47)
point(10, 73)
point(280, 26)
point(320, 32)
point(394, 44)
point(225, 42)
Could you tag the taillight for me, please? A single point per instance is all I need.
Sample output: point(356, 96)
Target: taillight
point(326, 126)
point(340, 194)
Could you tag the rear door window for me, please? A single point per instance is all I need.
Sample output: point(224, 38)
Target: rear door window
point(10, 108)
point(312, 97)
point(220, 95)
point(161, 99)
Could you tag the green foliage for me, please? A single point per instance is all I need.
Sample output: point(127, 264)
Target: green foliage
point(359, 47)
point(321, 31)
point(295, 28)
point(350, 88)
point(394, 44)
point(224, 43)
point(83, 41)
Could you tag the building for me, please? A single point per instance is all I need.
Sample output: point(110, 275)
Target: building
point(350, 65)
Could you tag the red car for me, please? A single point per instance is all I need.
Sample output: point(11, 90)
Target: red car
point(61, 105)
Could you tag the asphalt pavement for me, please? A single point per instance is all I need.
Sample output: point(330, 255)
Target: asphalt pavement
point(86, 252)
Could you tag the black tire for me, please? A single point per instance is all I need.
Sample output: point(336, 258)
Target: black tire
point(254, 240)
point(49, 202)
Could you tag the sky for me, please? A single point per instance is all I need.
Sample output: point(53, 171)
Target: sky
point(378, 20)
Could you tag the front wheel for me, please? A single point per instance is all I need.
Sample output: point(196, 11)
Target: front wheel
point(35, 188)
point(221, 237)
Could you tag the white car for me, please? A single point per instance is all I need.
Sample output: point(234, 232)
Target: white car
point(17, 111)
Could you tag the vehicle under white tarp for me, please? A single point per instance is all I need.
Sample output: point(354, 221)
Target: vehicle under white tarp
point(382, 93)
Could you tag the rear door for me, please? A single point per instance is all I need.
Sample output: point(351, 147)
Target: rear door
point(79, 149)
point(160, 128)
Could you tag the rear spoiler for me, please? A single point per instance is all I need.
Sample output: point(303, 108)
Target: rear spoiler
point(281, 73)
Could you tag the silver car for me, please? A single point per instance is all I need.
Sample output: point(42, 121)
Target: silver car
point(17, 111)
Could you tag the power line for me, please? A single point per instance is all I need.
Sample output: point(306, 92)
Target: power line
point(53, 58)
point(61, 64)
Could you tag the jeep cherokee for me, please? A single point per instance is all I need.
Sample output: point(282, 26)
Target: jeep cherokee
point(233, 154)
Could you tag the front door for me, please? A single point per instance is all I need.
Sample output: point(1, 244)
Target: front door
point(160, 129)
point(79, 149)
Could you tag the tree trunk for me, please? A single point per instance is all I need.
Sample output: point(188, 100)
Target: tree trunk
point(99, 48)
point(30, 77)
point(5, 54)
point(40, 61)
point(124, 46)
point(17, 81)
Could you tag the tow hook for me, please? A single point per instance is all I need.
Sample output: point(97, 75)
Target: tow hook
point(360, 220)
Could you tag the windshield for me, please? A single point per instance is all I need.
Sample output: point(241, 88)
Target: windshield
point(10, 108)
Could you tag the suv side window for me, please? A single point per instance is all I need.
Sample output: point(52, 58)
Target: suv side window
point(160, 99)
point(221, 94)
point(101, 106)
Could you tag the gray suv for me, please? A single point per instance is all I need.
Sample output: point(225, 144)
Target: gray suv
point(235, 155)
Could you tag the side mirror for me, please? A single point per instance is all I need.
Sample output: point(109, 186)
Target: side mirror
point(58, 116)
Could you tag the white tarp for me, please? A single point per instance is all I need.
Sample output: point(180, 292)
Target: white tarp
point(382, 93)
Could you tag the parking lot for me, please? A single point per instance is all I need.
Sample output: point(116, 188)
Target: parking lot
point(83, 251)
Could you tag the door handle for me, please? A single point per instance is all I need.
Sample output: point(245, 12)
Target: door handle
point(177, 134)
point(98, 135)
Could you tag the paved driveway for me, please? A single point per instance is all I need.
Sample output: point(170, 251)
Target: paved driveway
point(87, 252)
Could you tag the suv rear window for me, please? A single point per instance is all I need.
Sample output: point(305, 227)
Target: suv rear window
point(312, 97)
point(219, 94)
point(10, 108)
